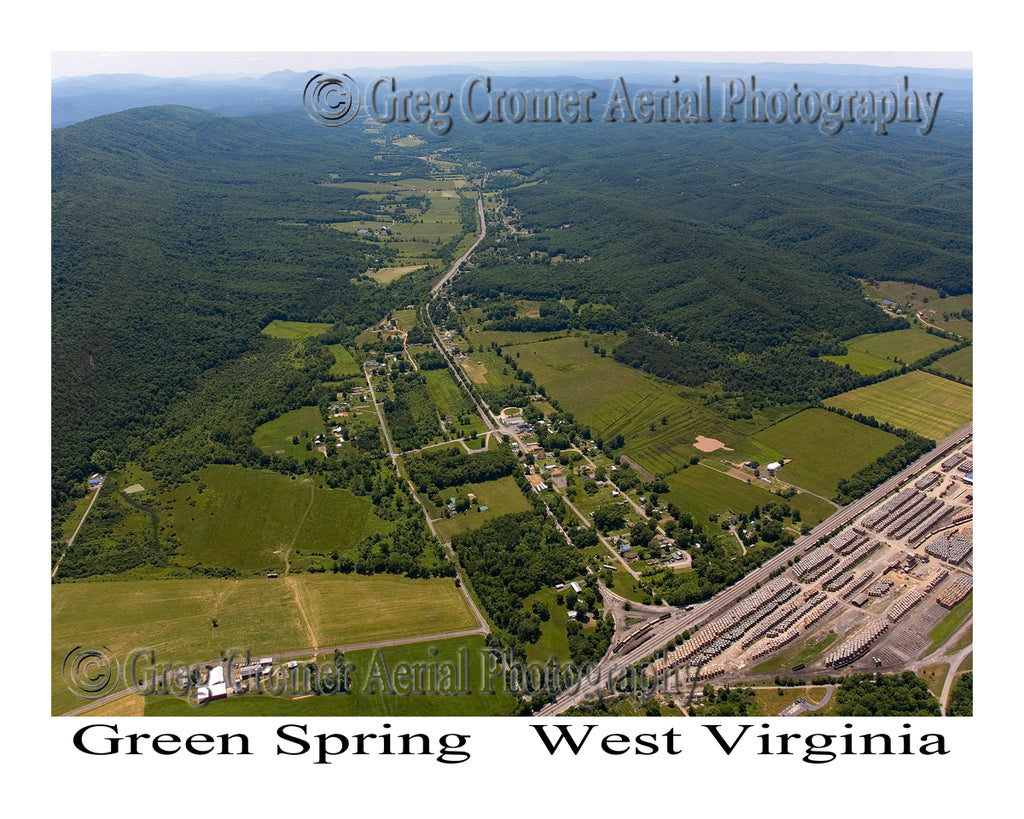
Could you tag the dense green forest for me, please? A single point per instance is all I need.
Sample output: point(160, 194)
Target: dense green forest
point(891, 695)
point(508, 559)
point(177, 236)
point(731, 256)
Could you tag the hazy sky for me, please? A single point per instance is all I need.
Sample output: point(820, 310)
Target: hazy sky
point(186, 63)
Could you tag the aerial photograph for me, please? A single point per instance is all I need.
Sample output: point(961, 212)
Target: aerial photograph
point(537, 385)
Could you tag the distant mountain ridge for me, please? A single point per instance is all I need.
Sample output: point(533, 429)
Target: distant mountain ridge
point(74, 99)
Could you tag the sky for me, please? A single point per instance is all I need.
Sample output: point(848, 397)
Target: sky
point(190, 63)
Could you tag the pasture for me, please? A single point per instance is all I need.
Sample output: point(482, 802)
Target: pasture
point(174, 618)
point(613, 398)
point(703, 492)
point(501, 497)
point(276, 435)
point(370, 700)
point(875, 353)
point(927, 404)
point(413, 235)
point(338, 520)
point(936, 309)
point(344, 364)
point(295, 330)
point(959, 364)
point(448, 398)
point(385, 275)
point(249, 519)
point(825, 447)
point(242, 518)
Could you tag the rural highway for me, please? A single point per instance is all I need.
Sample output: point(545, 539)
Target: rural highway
point(705, 612)
point(459, 262)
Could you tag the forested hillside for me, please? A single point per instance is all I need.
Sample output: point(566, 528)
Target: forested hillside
point(744, 245)
point(726, 254)
point(178, 235)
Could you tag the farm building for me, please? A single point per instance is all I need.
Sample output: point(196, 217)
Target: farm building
point(216, 687)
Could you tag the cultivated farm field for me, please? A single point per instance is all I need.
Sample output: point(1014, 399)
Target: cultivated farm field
point(614, 399)
point(702, 491)
point(370, 667)
point(875, 353)
point(924, 403)
point(174, 618)
point(959, 364)
point(824, 448)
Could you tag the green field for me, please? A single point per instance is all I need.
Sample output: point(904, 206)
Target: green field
point(804, 653)
point(614, 399)
point(825, 447)
point(450, 400)
point(295, 330)
point(501, 497)
point(174, 618)
point(703, 492)
point(368, 671)
point(417, 233)
point(338, 520)
point(344, 365)
point(938, 310)
point(554, 641)
point(875, 353)
point(249, 519)
point(951, 622)
point(352, 608)
point(275, 437)
point(927, 404)
point(959, 364)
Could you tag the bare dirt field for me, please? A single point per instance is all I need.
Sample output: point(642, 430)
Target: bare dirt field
point(709, 444)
